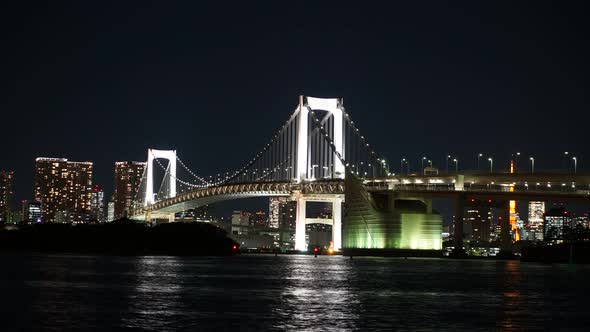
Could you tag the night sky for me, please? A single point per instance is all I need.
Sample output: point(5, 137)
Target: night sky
point(106, 81)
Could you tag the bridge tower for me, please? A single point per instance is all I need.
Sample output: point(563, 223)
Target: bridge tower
point(304, 168)
point(333, 106)
point(153, 154)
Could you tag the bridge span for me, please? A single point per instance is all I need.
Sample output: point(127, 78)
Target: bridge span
point(319, 154)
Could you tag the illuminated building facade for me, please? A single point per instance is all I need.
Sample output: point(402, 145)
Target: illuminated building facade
point(477, 223)
point(110, 211)
point(6, 193)
point(274, 210)
point(534, 227)
point(97, 205)
point(64, 189)
point(556, 219)
point(128, 175)
point(34, 212)
point(259, 219)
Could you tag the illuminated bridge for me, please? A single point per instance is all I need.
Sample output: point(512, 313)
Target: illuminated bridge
point(320, 155)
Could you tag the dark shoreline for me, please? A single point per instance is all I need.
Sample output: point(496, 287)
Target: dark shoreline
point(124, 238)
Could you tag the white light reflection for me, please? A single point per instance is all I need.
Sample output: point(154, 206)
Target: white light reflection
point(318, 291)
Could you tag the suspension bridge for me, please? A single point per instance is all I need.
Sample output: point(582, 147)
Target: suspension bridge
point(320, 155)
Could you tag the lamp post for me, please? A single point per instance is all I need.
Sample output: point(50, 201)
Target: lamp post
point(491, 164)
point(401, 165)
point(565, 155)
point(479, 155)
point(423, 159)
point(575, 164)
point(532, 165)
point(448, 157)
point(430, 162)
point(516, 161)
point(456, 165)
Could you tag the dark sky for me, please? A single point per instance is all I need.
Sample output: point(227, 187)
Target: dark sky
point(104, 81)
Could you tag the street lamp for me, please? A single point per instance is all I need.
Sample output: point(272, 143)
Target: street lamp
point(448, 157)
point(456, 165)
point(532, 165)
point(565, 155)
point(516, 161)
point(575, 164)
point(401, 165)
point(423, 159)
point(430, 162)
point(491, 164)
point(478, 156)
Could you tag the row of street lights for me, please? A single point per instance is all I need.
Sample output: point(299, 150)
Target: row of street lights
point(449, 158)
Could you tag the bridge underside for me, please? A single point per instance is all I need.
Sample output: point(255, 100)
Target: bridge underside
point(195, 203)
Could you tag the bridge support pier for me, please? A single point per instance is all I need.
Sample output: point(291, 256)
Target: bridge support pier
point(300, 243)
point(337, 223)
point(301, 221)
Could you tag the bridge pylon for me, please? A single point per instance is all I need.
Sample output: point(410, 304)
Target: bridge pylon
point(153, 154)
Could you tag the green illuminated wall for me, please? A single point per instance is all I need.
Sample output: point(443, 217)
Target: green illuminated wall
point(367, 225)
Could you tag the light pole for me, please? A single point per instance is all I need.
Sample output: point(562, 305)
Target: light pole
point(448, 157)
point(516, 161)
point(456, 165)
point(423, 159)
point(430, 162)
point(401, 165)
point(575, 164)
point(478, 156)
point(491, 164)
point(532, 165)
point(565, 155)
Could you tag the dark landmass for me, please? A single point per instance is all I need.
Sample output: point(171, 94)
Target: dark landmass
point(576, 253)
point(121, 237)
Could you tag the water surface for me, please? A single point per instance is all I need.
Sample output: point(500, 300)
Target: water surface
point(259, 292)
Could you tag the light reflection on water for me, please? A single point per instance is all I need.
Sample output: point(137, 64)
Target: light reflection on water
point(56, 292)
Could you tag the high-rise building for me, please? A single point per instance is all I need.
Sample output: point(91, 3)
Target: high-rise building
point(111, 211)
point(556, 219)
point(97, 205)
point(128, 175)
point(274, 206)
point(64, 189)
point(6, 193)
point(534, 227)
point(477, 223)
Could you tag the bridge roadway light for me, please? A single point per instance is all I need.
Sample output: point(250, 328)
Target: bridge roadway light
point(516, 161)
point(479, 155)
point(456, 165)
point(401, 165)
point(423, 159)
point(491, 164)
point(532, 165)
point(575, 164)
